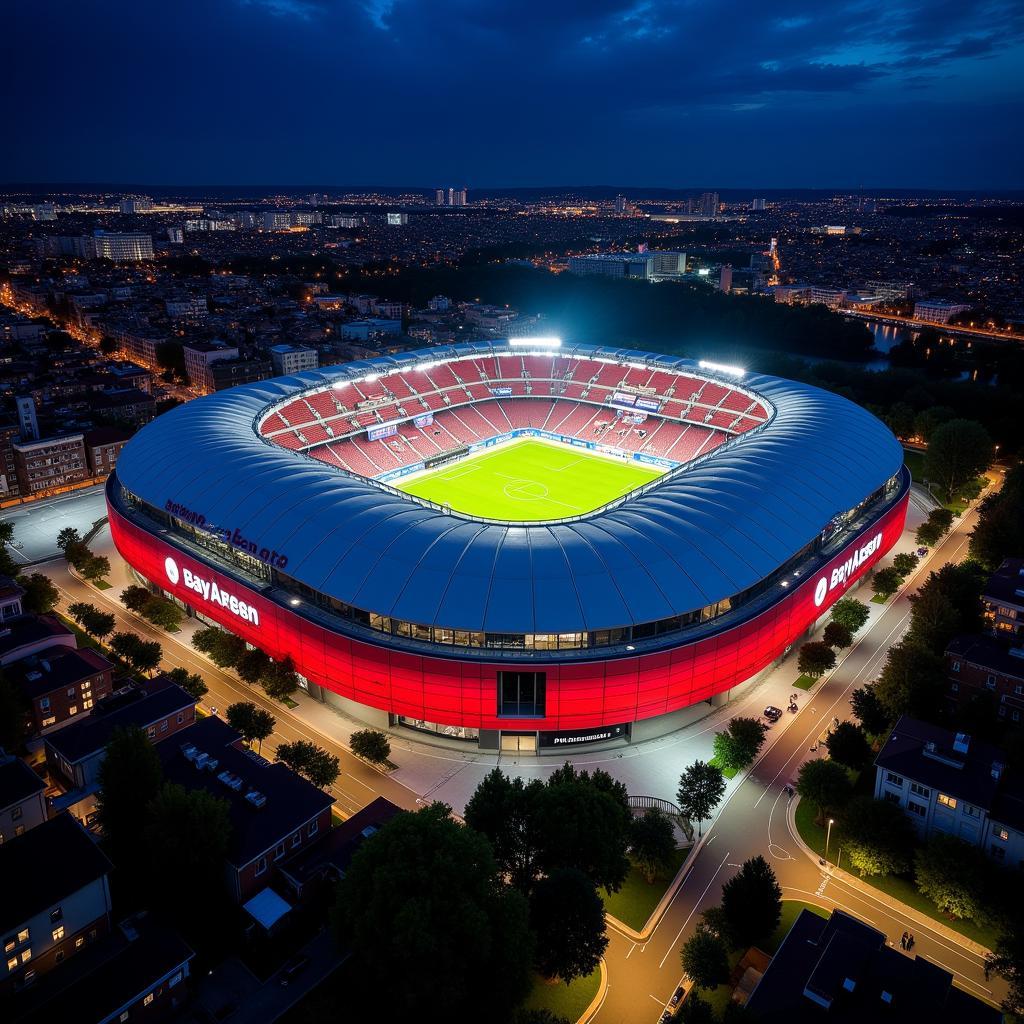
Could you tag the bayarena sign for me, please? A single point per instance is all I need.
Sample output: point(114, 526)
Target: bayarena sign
point(846, 571)
point(210, 592)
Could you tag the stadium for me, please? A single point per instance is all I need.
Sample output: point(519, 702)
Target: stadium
point(524, 545)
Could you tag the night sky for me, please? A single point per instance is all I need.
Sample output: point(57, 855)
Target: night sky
point(516, 92)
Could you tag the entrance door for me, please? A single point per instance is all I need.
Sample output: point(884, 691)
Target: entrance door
point(519, 743)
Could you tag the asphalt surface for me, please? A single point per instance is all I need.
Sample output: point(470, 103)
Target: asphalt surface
point(37, 524)
point(643, 977)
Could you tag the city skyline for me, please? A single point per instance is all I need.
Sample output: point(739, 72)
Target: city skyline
point(305, 92)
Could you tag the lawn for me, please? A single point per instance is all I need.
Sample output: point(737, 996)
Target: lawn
point(568, 1001)
point(634, 903)
point(790, 912)
point(530, 481)
point(805, 682)
point(880, 598)
point(899, 887)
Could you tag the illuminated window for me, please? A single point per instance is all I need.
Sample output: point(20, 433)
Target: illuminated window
point(12, 963)
point(58, 933)
point(26, 955)
point(947, 801)
point(148, 999)
point(23, 935)
point(1001, 833)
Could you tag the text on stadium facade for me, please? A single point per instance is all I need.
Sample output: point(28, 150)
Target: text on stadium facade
point(233, 537)
point(844, 571)
point(209, 591)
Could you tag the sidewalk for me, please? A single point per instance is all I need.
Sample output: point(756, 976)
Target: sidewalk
point(909, 913)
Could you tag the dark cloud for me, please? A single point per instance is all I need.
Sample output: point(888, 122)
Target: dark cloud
point(509, 91)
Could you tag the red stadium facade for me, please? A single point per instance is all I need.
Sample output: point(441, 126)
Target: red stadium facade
point(590, 696)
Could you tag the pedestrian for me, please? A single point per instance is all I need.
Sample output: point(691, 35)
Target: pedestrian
point(903, 941)
point(910, 941)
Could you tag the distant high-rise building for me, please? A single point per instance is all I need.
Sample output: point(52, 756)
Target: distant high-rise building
point(175, 236)
point(613, 264)
point(620, 204)
point(439, 197)
point(136, 205)
point(124, 247)
point(667, 265)
point(28, 425)
point(725, 278)
point(397, 220)
point(757, 205)
point(276, 220)
point(708, 205)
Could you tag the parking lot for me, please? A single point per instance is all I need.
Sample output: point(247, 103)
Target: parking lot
point(37, 524)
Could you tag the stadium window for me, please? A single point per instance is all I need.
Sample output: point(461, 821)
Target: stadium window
point(521, 694)
point(421, 632)
point(443, 636)
point(567, 641)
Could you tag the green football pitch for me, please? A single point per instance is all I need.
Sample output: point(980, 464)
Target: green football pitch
point(530, 481)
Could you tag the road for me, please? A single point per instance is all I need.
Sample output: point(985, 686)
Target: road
point(358, 783)
point(642, 977)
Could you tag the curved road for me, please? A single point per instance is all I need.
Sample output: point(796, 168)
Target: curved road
point(753, 820)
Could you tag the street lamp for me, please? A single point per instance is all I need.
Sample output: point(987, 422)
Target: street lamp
point(828, 836)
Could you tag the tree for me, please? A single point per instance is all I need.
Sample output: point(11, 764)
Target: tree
point(868, 710)
point(752, 902)
point(191, 682)
point(701, 786)
point(877, 836)
point(187, 837)
point(928, 535)
point(371, 744)
point(426, 892)
point(951, 873)
point(652, 840)
point(41, 595)
point(1000, 521)
point(91, 619)
point(252, 665)
point(134, 598)
point(14, 715)
point(567, 920)
point(905, 563)
point(816, 658)
point(254, 723)
point(933, 620)
point(130, 776)
point(885, 582)
point(912, 682)
point(7, 563)
point(310, 761)
point(825, 784)
point(97, 567)
point(837, 636)
point(1007, 960)
point(161, 612)
point(280, 680)
point(739, 744)
point(142, 655)
point(851, 613)
point(959, 451)
point(68, 536)
point(224, 649)
point(582, 821)
point(696, 1010)
point(848, 746)
point(705, 958)
point(505, 811)
point(77, 554)
point(962, 584)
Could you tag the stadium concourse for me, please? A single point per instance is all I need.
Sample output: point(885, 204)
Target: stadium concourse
point(718, 515)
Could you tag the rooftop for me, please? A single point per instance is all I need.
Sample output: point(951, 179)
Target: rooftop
point(50, 862)
point(1006, 584)
point(134, 706)
point(267, 801)
point(843, 970)
point(17, 782)
point(56, 667)
point(30, 629)
point(954, 763)
point(989, 652)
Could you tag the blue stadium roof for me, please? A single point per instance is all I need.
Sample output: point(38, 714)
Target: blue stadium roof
point(702, 535)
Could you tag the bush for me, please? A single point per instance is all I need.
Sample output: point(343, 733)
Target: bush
point(877, 836)
point(951, 873)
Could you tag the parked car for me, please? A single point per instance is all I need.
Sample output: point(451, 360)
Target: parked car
point(677, 995)
point(772, 713)
point(292, 969)
point(921, 552)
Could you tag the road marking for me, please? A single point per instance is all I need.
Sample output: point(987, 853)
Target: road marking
point(696, 904)
point(632, 946)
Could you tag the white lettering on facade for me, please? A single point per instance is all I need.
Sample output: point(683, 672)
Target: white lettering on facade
point(844, 572)
point(210, 592)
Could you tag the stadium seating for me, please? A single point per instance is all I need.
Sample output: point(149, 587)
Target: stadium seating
point(561, 394)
